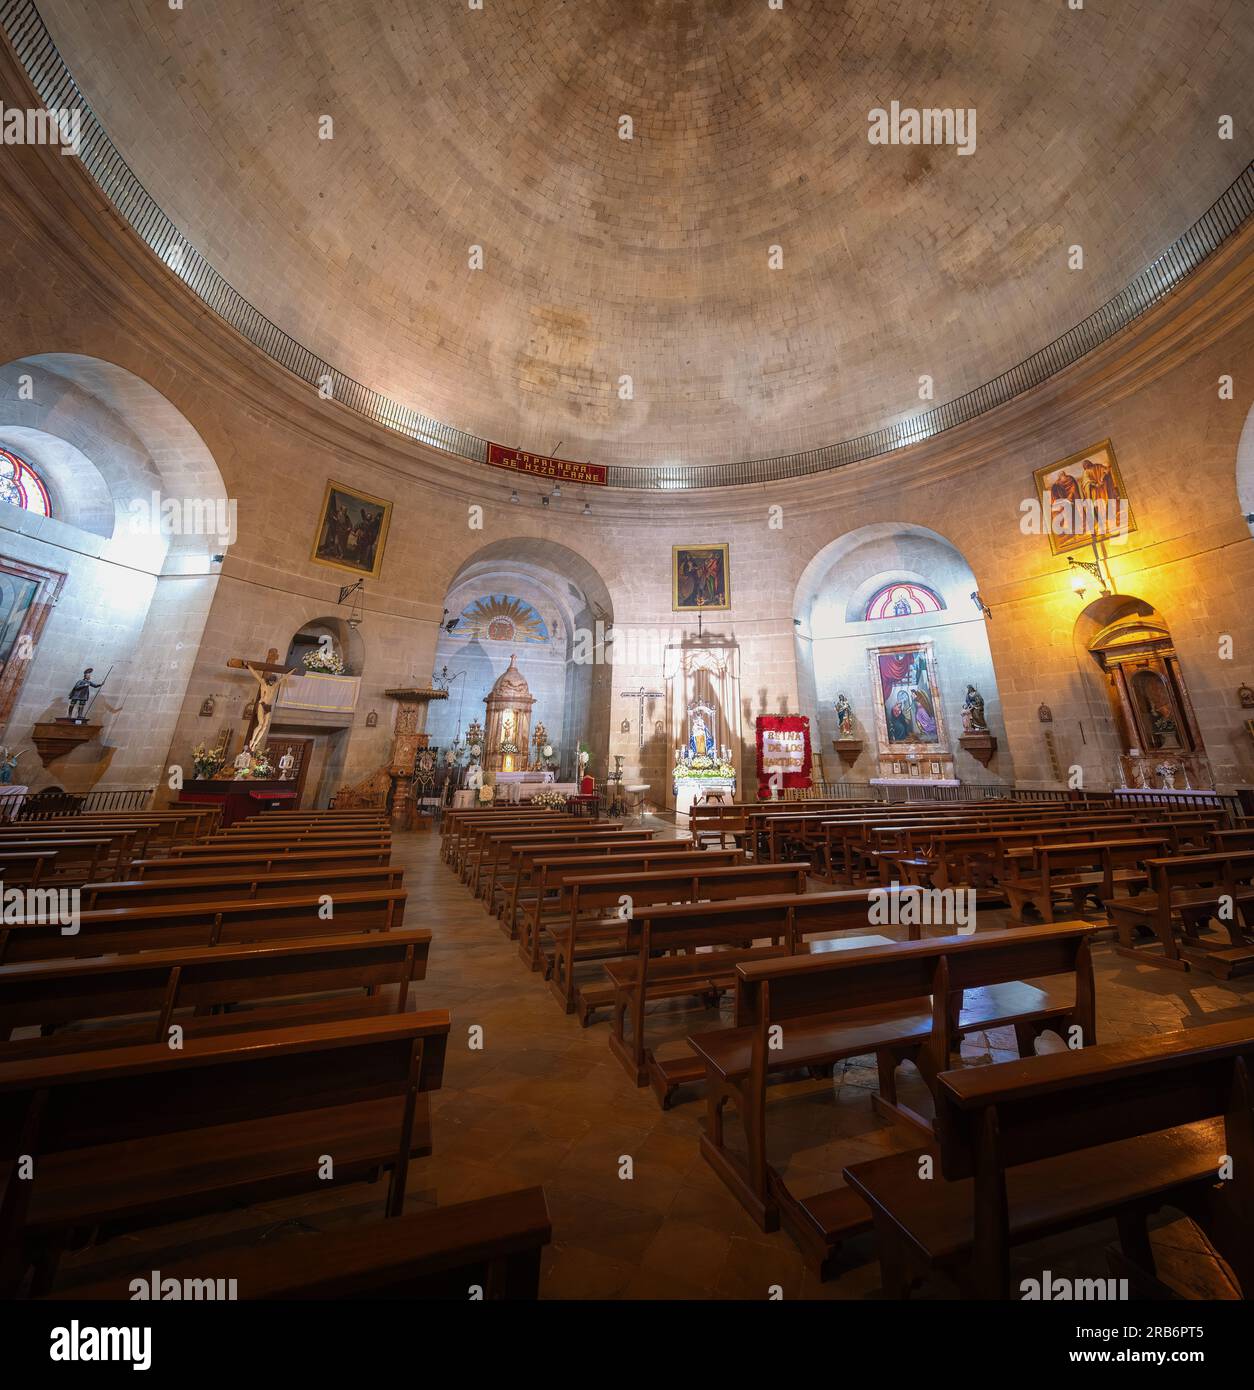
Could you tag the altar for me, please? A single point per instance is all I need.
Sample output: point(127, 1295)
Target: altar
point(522, 786)
point(241, 797)
point(703, 770)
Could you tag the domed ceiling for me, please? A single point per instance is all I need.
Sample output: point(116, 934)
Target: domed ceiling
point(649, 258)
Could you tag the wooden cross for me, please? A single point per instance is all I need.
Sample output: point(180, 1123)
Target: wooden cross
point(642, 695)
point(270, 666)
point(271, 663)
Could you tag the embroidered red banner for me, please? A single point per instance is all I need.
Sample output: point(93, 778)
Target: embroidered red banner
point(783, 752)
point(564, 470)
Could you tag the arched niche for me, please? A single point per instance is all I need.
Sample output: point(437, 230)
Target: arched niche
point(548, 608)
point(837, 651)
point(1152, 729)
point(346, 641)
point(131, 485)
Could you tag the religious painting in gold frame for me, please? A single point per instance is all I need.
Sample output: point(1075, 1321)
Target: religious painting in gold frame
point(352, 530)
point(700, 578)
point(1092, 476)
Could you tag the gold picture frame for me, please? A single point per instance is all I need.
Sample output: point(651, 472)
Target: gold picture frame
point(1066, 481)
point(338, 538)
point(700, 578)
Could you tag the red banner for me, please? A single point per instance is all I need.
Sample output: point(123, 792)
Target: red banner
point(783, 752)
point(564, 470)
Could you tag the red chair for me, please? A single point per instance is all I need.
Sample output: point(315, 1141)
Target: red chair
point(587, 798)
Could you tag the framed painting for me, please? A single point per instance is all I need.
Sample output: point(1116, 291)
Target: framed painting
point(1083, 495)
point(352, 530)
point(700, 578)
point(907, 699)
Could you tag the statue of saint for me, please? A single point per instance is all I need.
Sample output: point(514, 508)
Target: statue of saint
point(269, 683)
point(700, 739)
point(80, 693)
point(844, 716)
point(973, 721)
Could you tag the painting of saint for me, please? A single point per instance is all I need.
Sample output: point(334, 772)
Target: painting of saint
point(908, 690)
point(1083, 495)
point(352, 530)
point(700, 578)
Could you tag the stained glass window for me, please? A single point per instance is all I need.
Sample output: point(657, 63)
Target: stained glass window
point(902, 600)
point(21, 486)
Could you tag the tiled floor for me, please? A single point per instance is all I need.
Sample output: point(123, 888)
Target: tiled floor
point(636, 1211)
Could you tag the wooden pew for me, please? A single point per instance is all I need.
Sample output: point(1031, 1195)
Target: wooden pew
point(74, 861)
point(129, 1137)
point(25, 868)
point(1056, 1142)
point(121, 929)
point(1188, 891)
point(717, 936)
point(586, 933)
point(206, 849)
point(900, 1001)
point(552, 871)
point(1094, 868)
point(492, 1243)
point(466, 852)
point(139, 997)
point(514, 879)
point(495, 850)
point(279, 882)
point(255, 862)
point(805, 920)
point(459, 826)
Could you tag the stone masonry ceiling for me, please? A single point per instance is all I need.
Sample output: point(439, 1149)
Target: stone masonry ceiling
point(649, 258)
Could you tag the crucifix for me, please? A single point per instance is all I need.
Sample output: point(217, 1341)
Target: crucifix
point(642, 695)
point(269, 676)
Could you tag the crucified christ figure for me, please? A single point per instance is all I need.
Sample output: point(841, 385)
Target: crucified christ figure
point(269, 683)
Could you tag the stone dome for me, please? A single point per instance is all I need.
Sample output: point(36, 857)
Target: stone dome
point(691, 251)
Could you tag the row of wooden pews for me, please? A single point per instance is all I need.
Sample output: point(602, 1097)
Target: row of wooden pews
point(617, 919)
point(235, 1015)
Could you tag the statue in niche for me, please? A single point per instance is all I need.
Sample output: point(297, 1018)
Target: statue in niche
point(700, 739)
point(973, 721)
point(844, 716)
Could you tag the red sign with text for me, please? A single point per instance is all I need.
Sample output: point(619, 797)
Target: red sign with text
point(564, 470)
point(783, 752)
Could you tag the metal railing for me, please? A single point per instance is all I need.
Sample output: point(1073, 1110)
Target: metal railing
point(49, 802)
point(57, 89)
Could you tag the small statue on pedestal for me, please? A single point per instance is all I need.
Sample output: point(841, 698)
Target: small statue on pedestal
point(286, 763)
point(80, 693)
point(973, 721)
point(243, 763)
point(844, 717)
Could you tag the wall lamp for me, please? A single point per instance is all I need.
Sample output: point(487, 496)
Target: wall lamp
point(980, 604)
point(1083, 572)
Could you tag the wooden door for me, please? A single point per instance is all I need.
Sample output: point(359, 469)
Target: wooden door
point(301, 749)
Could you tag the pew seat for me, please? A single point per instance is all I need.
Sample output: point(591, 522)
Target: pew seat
point(493, 1243)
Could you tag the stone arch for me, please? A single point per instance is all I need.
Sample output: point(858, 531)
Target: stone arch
point(139, 512)
point(833, 640)
point(568, 594)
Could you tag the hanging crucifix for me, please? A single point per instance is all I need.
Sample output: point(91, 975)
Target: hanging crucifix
point(269, 676)
point(642, 695)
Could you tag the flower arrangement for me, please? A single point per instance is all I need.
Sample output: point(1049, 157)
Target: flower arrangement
point(549, 801)
point(323, 661)
point(702, 767)
point(206, 762)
